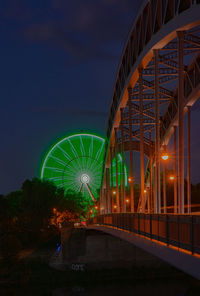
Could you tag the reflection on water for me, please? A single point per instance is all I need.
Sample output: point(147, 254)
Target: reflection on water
point(168, 287)
point(136, 289)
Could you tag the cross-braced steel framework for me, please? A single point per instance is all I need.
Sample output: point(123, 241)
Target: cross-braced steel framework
point(157, 83)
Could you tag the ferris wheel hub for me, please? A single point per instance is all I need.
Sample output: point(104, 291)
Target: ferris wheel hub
point(85, 179)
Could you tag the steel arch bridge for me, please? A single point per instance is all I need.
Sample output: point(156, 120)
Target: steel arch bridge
point(157, 82)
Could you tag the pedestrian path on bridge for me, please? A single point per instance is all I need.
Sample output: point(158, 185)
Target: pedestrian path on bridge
point(182, 260)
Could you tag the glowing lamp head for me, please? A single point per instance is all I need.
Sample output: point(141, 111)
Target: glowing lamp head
point(129, 179)
point(85, 179)
point(115, 206)
point(127, 200)
point(165, 156)
point(145, 191)
point(96, 208)
point(171, 178)
point(114, 192)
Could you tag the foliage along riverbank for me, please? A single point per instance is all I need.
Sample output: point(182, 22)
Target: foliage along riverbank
point(31, 215)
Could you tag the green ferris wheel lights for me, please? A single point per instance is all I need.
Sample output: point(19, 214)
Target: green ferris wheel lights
point(120, 171)
point(75, 163)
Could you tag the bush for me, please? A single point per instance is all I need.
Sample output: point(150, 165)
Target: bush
point(10, 246)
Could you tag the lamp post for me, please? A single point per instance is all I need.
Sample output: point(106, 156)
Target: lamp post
point(147, 198)
point(131, 182)
point(173, 179)
point(164, 157)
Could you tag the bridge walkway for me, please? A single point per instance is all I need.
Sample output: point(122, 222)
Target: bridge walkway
point(175, 243)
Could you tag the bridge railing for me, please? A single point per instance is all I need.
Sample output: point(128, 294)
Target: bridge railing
point(181, 231)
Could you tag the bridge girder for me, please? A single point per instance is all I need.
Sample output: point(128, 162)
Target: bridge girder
point(126, 111)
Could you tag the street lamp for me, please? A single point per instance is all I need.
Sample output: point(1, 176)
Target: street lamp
point(129, 180)
point(165, 156)
point(114, 192)
point(127, 200)
point(171, 178)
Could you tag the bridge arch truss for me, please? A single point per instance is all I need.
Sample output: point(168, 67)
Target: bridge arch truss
point(158, 80)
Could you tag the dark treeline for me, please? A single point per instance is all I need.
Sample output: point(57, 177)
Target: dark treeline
point(32, 214)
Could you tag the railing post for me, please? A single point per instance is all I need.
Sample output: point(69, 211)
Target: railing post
point(150, 221)
point(192, 234)
point(139, 223)
point(167, 230)
point(178, 220)
point(131, 221)
point(117, 220)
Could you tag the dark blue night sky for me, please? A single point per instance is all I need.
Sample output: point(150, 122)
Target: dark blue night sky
point(58, 62)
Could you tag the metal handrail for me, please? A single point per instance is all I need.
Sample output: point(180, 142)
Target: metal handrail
point(182, 231)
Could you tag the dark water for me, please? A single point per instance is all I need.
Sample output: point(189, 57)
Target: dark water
point(168, 287)
point(33, 276)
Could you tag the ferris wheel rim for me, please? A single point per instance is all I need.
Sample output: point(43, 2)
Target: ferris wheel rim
point(62, 140)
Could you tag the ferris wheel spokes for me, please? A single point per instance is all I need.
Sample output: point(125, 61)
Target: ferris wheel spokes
point(75, 163)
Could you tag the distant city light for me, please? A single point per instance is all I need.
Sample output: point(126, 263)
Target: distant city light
point(171, 178)
point(127, 200)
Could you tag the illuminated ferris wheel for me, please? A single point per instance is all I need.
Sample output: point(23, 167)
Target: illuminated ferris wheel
point(75, 163)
